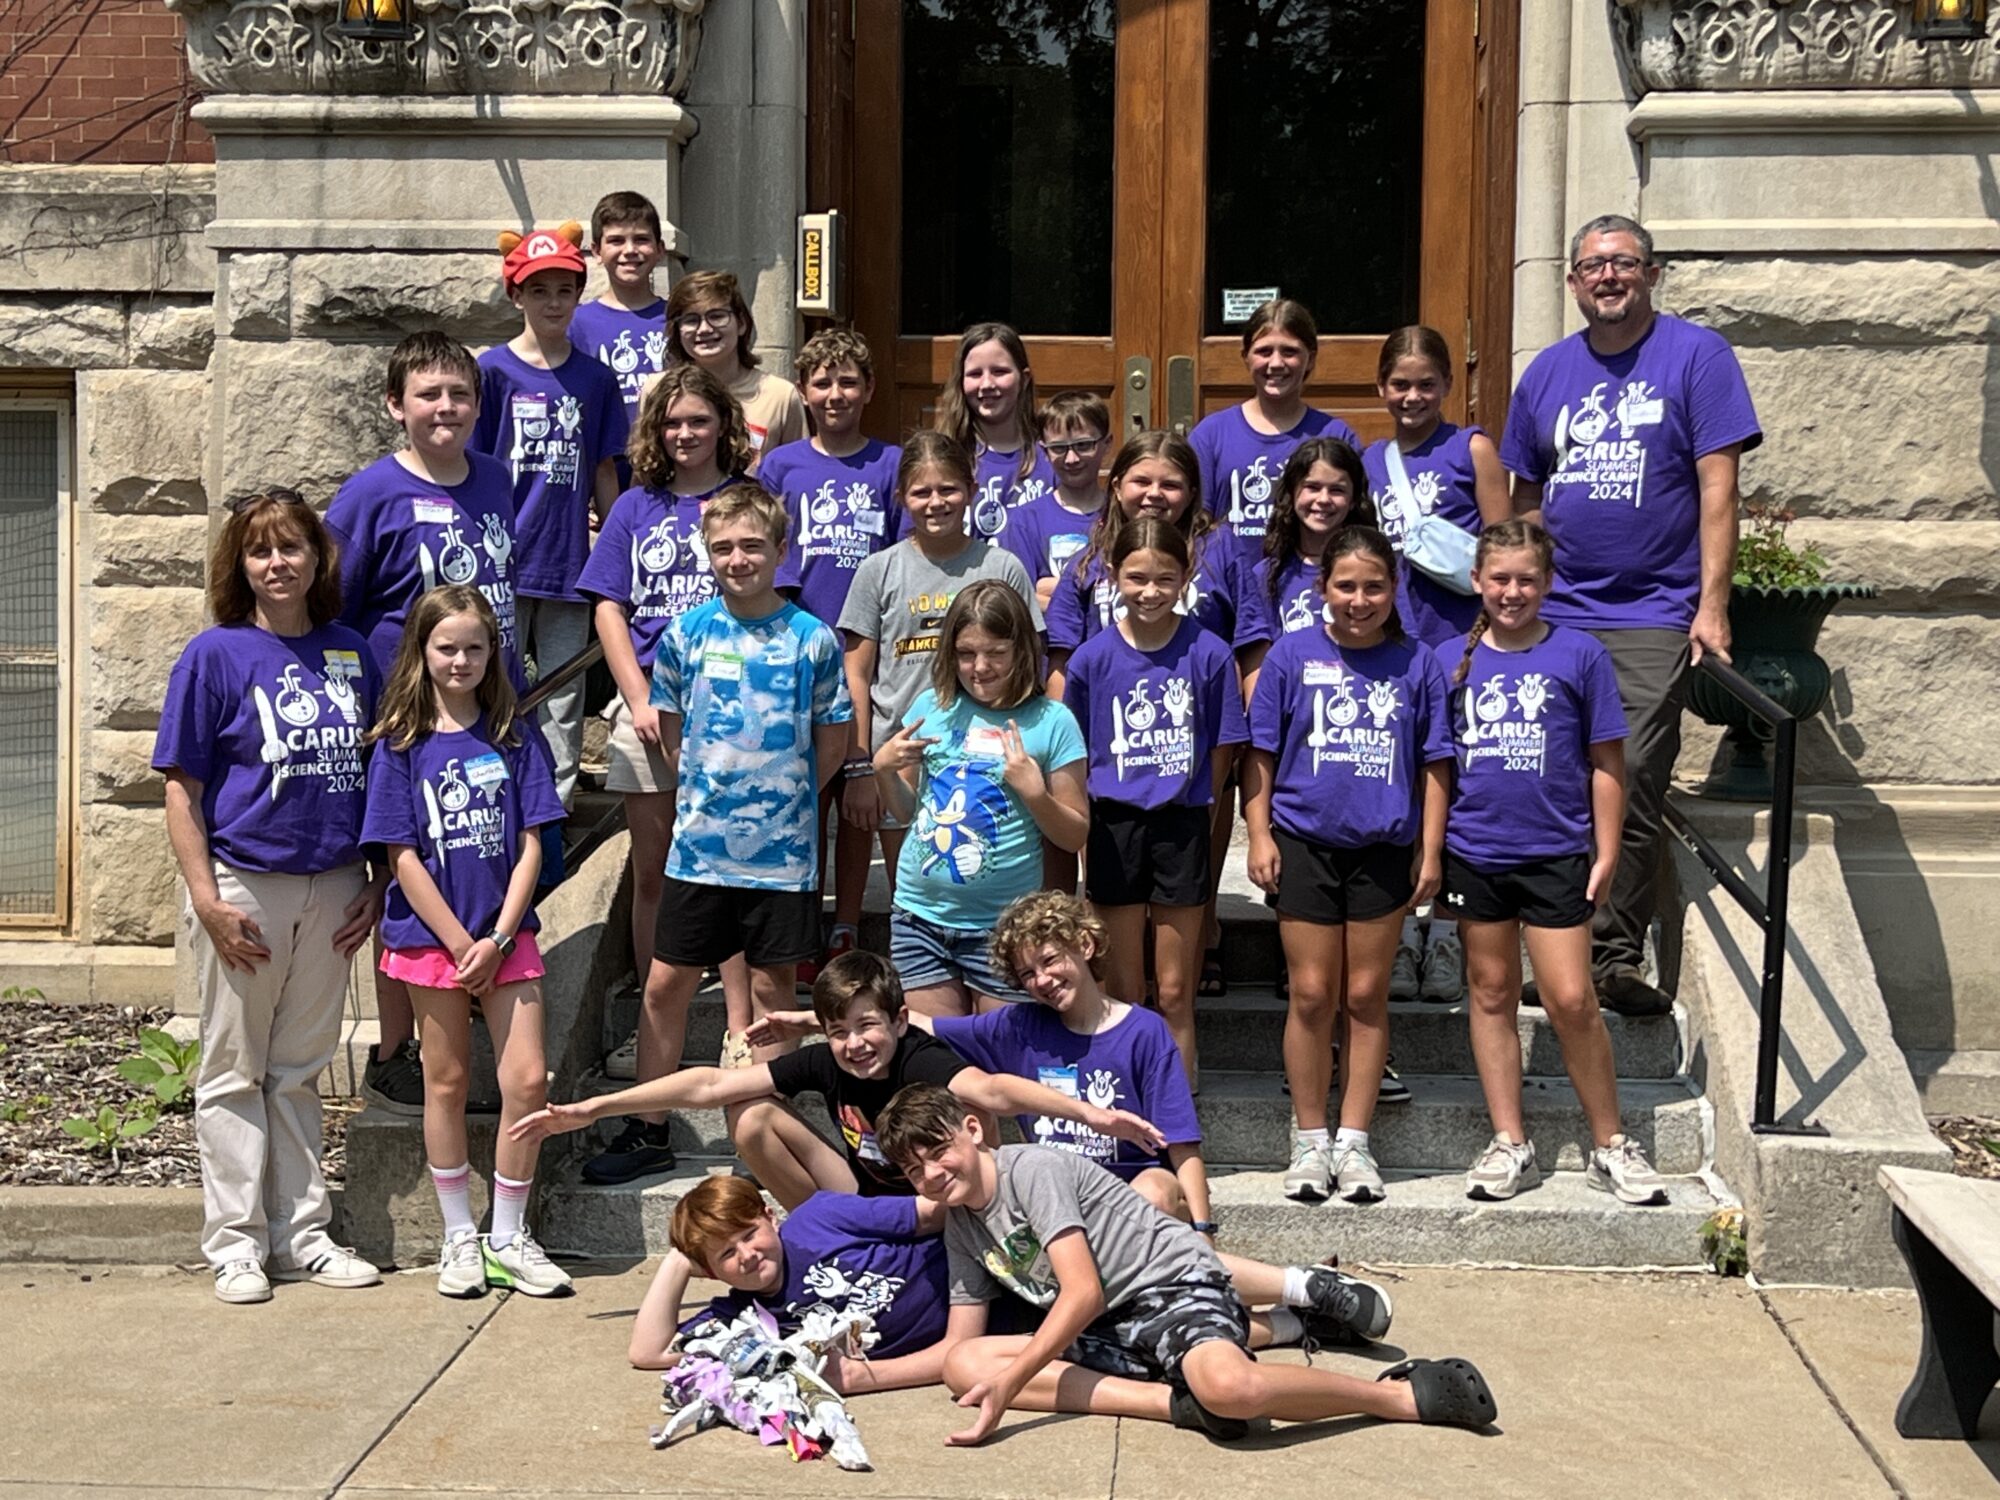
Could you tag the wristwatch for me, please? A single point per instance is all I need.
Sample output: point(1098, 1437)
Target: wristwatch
point(501, 941)
point(1204, 1226)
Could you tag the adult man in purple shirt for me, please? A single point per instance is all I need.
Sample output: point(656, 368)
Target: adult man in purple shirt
point(1624, 441)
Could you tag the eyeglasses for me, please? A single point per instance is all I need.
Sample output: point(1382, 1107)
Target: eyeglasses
point(274, 497)
point(1073, 445)
point(1592, 265)
point(715, 317)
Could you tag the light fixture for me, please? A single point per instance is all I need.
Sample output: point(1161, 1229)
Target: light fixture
point(1948, 20)
point(374, 20)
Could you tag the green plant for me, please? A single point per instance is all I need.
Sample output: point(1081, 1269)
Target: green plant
point(1764, 559)
point(22, 992)
point(13, 1111)
point(1723, 1245)
point(163, 1065)
point(107, 1130)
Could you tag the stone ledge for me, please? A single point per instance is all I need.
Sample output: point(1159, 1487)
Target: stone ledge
point(72, 973)
point(101, 1225)
point(106, 229)
point(1814, 112)
point(1782, 301)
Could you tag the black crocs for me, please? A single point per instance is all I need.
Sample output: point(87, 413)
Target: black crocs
point(1449, 1392)
point(1187, 1412)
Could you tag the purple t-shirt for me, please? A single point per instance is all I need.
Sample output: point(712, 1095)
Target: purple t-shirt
point(1134, 1066)
point(1352, 731)
point(651, 560)
point(1441, 484)
point(461, 802)
point(842, 511)
point(856, 1254)
point(1154, 718)
point(1613, 441)
point(1000, 492)
point(271, 727)
point(401, 536)
point(631, 345)
point(1299, 605)
point(1047, 536)
point(551, 428)
point(1240, 466)
point(1086, 599)
point(1523, 723)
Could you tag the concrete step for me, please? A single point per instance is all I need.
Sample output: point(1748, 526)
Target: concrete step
point(1426, 1220)
point(1246, 1122)
point(1245, 1030)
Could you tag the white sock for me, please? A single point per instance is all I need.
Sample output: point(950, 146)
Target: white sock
point(1317, 1138)
point(454, 1190)
point(1413, 936)
point(1294, 1294)
point(510, 1206)
point(1343, 1138)
point(1287, 1327)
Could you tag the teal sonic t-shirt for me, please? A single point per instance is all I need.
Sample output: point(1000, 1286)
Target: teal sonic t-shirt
point(973, 846)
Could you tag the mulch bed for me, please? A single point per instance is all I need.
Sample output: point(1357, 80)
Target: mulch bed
point(62, 1061)
point(1974, 1142)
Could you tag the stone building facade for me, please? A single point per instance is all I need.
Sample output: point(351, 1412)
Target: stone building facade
point(1825, 189)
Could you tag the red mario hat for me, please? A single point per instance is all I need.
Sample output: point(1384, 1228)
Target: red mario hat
point(558, 249)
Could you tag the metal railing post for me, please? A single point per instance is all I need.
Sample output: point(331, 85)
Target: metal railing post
point(1777, 904)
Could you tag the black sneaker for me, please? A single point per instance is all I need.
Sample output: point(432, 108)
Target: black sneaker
point(1622, 990)
point(1187, 1412)
point(1345, 1309)
point(639, 1149)
point(395, 1083)
point(1393, 1090)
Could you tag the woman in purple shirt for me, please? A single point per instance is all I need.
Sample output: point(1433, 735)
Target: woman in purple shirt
point(260, 742)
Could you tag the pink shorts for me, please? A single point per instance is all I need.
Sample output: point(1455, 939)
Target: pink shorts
point(435, 969)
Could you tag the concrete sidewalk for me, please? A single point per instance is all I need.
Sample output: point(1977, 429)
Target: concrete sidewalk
point(133, 1383)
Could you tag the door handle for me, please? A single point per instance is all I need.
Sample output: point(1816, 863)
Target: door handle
point(1138, 393)
point(1180, 394)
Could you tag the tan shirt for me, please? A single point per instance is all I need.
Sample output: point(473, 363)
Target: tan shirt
point(772, 410)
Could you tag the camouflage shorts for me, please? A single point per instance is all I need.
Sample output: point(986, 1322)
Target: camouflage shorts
point(1147, 1337)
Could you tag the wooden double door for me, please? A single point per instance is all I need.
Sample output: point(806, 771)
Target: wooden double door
point(1121, 180)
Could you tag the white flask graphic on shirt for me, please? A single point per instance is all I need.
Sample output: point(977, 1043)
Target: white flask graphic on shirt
point(1139, 709)
point(295, 704)
point(1343, 710)
point(1298, 612)
point(496, 542)
point(656, 549)
point(1251, 485)
point(1492, 704)
point(825, 508)
point(624, 358)
point(989, 511)
point(452, 790)
point(1589, 423)
point(456, 561)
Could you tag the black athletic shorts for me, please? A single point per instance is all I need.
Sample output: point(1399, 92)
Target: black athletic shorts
point(1539, 892)
point(1142, 855)
point(1320, 883)
point(700, 925)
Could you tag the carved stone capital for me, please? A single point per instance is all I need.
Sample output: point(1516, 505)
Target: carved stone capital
point(456, 47)
point(1792, 44)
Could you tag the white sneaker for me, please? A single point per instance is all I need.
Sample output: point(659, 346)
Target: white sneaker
point(242, 1281)
point(1405, 974)
point(1621, 1169)
point(622, 1061)
point(1310, 1177)
point(1355, 1175)
point(523, 1266)
point(461, 1269)
point(333, 1266)
point(1444, 970)
point(1503, 1169)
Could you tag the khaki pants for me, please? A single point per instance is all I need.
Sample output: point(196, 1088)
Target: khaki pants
point(265, 1037)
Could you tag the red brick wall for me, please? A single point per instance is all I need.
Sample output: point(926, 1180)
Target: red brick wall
point(99, 81)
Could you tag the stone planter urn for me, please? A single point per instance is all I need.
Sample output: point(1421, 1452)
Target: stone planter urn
point(1775, 633)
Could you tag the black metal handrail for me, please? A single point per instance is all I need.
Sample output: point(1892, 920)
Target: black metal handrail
point(1770, 910)
point(545, 687)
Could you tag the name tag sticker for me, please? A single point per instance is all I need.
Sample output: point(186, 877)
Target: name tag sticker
point(487, 770)
point(1063, 548)
point(1323, 673)
point(341, 663)
point(871, 521)
point(1058, 1080)
point(432, 513)
point(723, 666)
point(988, 741)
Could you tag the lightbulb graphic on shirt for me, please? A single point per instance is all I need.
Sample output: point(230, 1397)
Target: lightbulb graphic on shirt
point(569, 415)
point(295, 704)
point(1101, 1088)
point(656, 347)
point(1639, 407)
point(340, 693)
point(824, 1279)
point(497, 543)
point(1426, 490)
point(1383, 701)
point(1531, 695)
point(1177, 698)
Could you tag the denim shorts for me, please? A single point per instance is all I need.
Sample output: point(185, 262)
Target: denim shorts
point(925, 954)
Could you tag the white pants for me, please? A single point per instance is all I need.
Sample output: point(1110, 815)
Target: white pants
point(551, 632)
point(265, 1037)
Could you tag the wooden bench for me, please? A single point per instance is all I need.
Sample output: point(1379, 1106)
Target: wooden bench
point(1948, 1229)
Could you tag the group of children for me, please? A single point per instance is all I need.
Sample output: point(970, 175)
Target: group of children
point(996, 667)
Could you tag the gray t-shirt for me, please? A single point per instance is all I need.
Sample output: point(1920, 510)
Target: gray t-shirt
point(1043, 1192)
point(898, 600)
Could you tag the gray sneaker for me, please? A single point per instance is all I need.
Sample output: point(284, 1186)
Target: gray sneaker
point(461, 1268)
point(523, 1265)
point(1621, 1169)
point(1444, 970)
point(1406, 973)
point(1355, 1175)
point(1503, 1169)
point(1310, 1177)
